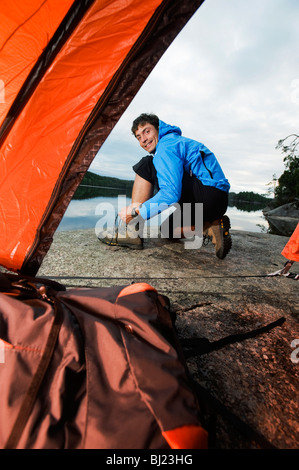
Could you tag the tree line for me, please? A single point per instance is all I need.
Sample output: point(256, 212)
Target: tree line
point(286, 187)
point(94, 185)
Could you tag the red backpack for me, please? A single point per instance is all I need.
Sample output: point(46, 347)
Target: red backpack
point(92, 368)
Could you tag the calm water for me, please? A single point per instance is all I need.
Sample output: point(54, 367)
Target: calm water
point(85, 213)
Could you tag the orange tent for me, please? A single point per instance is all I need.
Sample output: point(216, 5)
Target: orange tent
point(291, 250)
point(69, 69)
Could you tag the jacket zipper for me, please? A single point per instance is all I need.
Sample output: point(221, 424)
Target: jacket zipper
point(203, 161)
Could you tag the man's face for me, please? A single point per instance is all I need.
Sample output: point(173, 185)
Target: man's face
point(147, 137)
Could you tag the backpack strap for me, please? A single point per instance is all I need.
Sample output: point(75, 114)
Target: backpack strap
point(8, 281)
point(198, 346)
point(31, 395)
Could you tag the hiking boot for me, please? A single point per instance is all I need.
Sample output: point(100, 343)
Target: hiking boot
point(121, 236)
point(129, 242)
point(219, 233)
point(109, 236)
point(128, 237)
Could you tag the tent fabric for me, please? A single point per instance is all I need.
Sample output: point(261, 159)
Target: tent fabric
point(22, 72)
point(23, 41)
point(291, 249)
point(69, 69)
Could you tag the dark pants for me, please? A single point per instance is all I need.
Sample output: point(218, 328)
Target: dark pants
point(214, 201)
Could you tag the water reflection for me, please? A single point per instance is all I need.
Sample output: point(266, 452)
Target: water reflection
point(251, 221)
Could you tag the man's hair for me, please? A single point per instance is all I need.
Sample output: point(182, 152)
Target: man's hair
point(144, 119)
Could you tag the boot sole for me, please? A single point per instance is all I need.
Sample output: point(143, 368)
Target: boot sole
point(108, 242)
point(227, 241)
point(130, 245)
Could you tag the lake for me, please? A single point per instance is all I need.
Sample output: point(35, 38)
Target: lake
point(85, 213)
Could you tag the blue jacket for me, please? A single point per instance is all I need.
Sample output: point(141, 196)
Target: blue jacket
point(175, 154)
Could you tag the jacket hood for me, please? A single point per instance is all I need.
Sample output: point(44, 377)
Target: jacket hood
point(168, 129)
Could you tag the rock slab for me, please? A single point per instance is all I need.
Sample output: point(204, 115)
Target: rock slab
point(258, 379)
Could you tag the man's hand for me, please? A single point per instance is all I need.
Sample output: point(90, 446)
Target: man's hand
point(125, 214)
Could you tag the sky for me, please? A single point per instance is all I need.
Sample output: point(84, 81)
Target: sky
point(230, 80)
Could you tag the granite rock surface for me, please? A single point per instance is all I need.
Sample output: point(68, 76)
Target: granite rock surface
point(257, 380)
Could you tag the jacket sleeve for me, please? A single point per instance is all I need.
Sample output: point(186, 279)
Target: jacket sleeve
point(168, 161)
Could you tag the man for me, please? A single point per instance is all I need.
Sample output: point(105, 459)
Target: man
point(177, 170)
